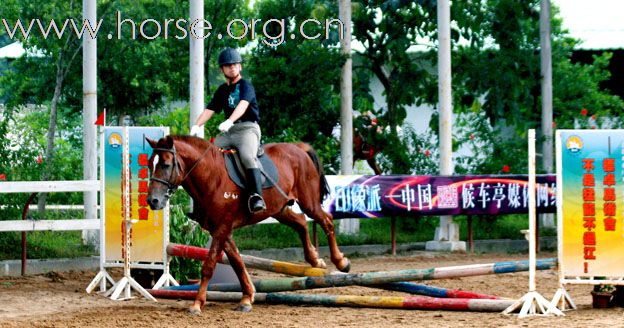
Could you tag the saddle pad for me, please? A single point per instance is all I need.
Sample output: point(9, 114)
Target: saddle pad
point(234, 169)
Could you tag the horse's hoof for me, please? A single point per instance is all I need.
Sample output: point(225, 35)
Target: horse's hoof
point(345, 265)
point(243, 308)
point(321, 264)
point(194, 311)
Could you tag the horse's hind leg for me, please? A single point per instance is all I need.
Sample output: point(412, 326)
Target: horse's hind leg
point(323, 218)
point(298, 223)
point(238, 265)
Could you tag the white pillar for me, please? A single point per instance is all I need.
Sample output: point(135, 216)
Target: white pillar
point(346, 226)
point(547, 220)
point(196, 60)
point(447, 234)
point(89, 115)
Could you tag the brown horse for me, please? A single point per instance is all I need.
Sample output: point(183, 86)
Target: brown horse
point(219, 206)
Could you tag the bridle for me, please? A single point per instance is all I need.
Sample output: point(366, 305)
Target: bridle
point(171, 188)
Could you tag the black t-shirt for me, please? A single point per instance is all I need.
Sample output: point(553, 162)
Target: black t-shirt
point(227, 97)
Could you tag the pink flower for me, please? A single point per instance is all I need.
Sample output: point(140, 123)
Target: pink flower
point(472, 136)
point(505, 168)
point(374, 121)
point(427, 153)
point(39, 159)
point(584, 112)
point(593, 117)
point(2, 177)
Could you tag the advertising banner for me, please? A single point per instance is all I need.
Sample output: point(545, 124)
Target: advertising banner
point(356, 196)
point(147, 235)
point(591, 176)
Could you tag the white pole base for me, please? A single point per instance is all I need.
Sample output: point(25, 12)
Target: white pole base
point(531, 304)
point(165, 280)
point(562, 300)
point(126, 284)
point(101, 278)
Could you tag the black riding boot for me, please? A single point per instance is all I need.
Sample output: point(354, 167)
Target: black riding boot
point(254, 189)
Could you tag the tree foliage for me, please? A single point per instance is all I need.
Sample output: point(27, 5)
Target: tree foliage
point(500, 83)
point(298, 81)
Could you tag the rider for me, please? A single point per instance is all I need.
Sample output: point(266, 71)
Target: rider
point(237, 99)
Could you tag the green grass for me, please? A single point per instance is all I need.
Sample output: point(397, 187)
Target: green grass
point(377, 231)
point(46, 244)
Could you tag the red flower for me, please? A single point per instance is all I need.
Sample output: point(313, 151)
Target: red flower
point(39, 159)
point(554, 124)
point(593, 117)
point(212, 139)
point(427, 153)
point(505, 168)
point(2, 177)
point(472, 136)
point(374, 121)
point(584, 112)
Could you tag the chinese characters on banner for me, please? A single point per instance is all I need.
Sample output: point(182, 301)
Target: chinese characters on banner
point(376, 196)
point(143, 186)
point(590, 165)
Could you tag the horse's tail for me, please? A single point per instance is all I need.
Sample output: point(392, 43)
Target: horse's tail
point(324, 186)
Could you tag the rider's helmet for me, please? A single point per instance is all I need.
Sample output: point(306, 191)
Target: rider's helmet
point(229, 56)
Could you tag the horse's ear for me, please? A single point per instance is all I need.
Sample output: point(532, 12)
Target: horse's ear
point(169, 142)
point(152, 143)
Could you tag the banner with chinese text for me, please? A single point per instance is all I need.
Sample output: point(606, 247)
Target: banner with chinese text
point(147, 235)
point(591, 176)
point(356, 196)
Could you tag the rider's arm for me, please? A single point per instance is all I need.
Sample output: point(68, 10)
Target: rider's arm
point(239, 110)
point(204, 117)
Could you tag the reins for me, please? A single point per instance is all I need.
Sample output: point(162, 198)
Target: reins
point(171, 188)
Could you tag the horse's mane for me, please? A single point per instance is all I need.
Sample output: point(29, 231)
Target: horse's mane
point(195, 141)
point(199, 144)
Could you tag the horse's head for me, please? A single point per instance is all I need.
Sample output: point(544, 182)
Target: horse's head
point(165, 172)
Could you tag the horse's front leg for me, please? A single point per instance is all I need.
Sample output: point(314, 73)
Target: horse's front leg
point(217, 245)
point(238, 265)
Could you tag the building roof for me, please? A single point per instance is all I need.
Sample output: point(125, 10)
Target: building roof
point(12, 51)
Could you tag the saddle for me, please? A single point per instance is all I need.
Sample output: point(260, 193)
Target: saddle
point(236, 171)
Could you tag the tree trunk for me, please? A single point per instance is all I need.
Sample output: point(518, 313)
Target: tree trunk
point(49, 154)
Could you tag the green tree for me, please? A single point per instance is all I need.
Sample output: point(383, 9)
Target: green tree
point(497, 88)
point(57, 61)
point(297, 81)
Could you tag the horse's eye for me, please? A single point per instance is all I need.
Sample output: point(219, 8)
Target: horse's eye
point(165, 166)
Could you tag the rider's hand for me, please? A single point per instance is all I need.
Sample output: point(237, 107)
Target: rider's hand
point(196, 130)
point(225, 126)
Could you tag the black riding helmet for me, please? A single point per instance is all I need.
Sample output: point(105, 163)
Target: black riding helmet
point(229, 56)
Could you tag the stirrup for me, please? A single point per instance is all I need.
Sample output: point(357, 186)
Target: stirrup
point(258, 203)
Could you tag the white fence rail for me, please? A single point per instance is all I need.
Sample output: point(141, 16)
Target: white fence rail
point(50, 225)
point(50, 186)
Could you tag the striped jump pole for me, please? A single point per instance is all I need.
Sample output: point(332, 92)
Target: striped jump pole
point(406, 287)
point(419, 289)
point(387, 302)
point(291, 269)
point(378, 278)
